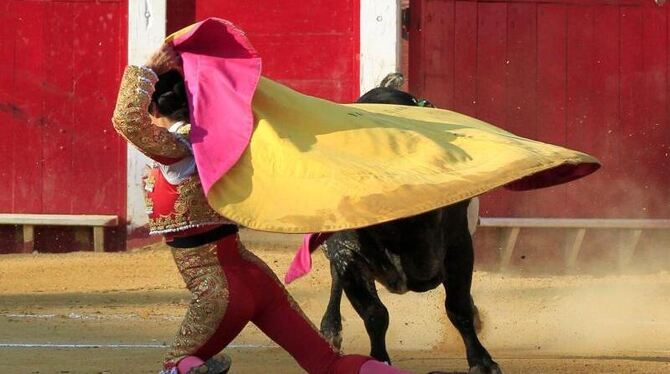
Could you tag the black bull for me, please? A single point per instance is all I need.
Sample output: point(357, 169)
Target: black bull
point(412, 254)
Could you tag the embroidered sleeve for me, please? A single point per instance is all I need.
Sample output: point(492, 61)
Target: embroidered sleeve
point(131, 118)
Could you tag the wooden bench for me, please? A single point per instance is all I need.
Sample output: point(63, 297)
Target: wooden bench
point(631, 230)
point(29, 221)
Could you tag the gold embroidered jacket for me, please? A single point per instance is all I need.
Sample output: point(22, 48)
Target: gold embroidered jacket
point(174, 197)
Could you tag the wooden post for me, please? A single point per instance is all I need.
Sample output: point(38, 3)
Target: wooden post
point(627, 243)
point(572, 246)
point(28, 238)
point(98, 238)
point(507, 243)
point(83, 236)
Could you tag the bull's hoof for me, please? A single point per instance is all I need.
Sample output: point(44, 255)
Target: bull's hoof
point(335, 340)
point(491, 368)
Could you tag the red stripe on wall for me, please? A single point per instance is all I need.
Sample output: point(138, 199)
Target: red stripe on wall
point(465, 58)
point(438, 58)
point(551, 97)
point(28, 67)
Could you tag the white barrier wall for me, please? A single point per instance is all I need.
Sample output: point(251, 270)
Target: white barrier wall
point(380, 41)
point(146, 31)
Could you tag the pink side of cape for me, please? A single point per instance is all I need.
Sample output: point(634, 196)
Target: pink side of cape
point(221, 71)
point(302, 261)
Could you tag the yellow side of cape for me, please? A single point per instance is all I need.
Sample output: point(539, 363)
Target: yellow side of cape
point(313, 165)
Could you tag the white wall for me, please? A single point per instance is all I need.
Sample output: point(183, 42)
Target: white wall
point(146, 31)
point(380, 41)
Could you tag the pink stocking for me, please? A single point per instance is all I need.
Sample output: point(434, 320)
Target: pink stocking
point(376, 367)
point(187, 363)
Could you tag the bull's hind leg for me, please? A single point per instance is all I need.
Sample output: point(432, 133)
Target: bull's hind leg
point(331, 323)
point(460, 307)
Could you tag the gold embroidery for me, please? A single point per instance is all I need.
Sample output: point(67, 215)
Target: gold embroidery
point(131, 117)
point(194, 200)
point(191, 209)
point(184, 130)
point(149, 183)
point(149, 205)
point(207, 282)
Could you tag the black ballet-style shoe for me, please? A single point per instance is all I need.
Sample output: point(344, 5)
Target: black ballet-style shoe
point(219, 364)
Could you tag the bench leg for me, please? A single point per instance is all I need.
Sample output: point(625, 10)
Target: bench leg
point(507, 243)
point(98, 238)
point(627, 243)
point(573, 244)
point(28, 239)
point(83, 236)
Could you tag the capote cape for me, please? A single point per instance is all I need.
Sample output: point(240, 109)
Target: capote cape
point(273, 159)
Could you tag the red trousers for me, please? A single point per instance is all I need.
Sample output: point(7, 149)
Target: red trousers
point(232, 287)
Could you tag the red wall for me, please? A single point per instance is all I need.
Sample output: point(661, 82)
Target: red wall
point(311, 46)
point(60, 63)
point(588, 74)
point(179, 14)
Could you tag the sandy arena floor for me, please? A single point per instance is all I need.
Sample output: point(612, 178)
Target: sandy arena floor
point(115, 313)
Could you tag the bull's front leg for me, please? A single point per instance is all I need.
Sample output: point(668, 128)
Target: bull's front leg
point(359, 285)
point(331, 323)
point(460, 307)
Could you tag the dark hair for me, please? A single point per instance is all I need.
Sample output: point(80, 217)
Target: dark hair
point(169, 98)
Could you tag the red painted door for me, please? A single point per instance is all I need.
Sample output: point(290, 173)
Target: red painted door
point(60, 64)
point(311, 46)
point(587, 74)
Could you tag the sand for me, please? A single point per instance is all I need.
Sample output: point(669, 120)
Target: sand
point(115, 312)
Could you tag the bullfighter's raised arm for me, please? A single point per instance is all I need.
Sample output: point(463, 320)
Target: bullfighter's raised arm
point(131, 118)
